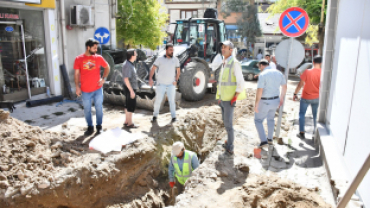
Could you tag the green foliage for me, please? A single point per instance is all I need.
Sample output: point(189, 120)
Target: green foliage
point(313, 9)
point(141, 22)
point(248, 23)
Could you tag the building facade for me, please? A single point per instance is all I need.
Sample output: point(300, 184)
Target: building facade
point(185, 9)
point(47, 34)
point(344, 94)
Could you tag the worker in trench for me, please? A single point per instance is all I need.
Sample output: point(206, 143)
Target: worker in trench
point(182, 164)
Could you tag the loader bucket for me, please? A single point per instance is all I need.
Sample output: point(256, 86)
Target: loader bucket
point(143, 100)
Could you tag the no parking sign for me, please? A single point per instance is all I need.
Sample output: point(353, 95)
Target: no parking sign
point(293, 22)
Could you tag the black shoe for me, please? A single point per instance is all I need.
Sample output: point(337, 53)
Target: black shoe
point(301, 135)
point(89, 131)
point(154, 119)
point(173, 120)
point(270, 141)
point(98, 129)
point(263, 144)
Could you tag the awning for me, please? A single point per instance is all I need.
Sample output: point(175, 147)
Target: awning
point(231, 27)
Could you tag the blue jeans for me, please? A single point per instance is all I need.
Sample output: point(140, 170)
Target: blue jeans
point(302, 112)
point(227, 116)
point(266, 110)
point(160, 91)
point(87, 98)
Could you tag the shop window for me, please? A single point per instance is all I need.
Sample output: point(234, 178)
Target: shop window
point(12, 65)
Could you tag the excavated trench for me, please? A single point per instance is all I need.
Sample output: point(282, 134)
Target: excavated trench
point(55, 169)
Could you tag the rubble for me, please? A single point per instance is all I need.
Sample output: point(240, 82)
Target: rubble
point(56, 169)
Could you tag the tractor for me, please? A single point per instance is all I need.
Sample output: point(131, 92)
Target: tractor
point(196, 44)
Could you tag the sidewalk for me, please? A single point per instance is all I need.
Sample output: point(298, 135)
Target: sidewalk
point(49, 115)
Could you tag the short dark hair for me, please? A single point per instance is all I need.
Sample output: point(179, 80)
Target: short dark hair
point(91, 42)
point(263, 63)
point(317, 59)
point(169, 45)
point(130, 53)
point(267, 55)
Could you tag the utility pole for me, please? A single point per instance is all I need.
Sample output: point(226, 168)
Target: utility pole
point(321, 28)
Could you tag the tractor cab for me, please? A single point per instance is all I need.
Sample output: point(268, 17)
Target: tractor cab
point(204, 33)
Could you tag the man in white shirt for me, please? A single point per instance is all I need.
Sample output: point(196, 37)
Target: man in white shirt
point(272, 65)
point(259, 55)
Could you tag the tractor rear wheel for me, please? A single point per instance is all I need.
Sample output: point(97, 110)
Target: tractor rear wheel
point(193, 81)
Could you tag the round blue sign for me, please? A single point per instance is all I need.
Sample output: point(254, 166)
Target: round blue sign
point(102, 35)
point(9, 29)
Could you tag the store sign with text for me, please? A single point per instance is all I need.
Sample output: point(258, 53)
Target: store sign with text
point(9, 16)
point(26, 1)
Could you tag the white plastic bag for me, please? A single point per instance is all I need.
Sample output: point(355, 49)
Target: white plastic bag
point(113, 140)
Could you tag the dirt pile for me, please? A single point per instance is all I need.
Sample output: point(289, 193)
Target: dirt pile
point(274, 192)
point(41, 169)
point(27, 158)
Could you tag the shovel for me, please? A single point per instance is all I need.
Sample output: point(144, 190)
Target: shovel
point(173, 195)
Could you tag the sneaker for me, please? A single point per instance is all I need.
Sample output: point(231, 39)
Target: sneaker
point(89, 131)
point(270, 141)
point(263, 144)
point(154, 119)
point(174, 120)
point(301, 135)
point(98, 129)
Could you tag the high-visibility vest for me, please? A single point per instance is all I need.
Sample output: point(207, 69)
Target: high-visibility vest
point(187, 169)
point(227, 83)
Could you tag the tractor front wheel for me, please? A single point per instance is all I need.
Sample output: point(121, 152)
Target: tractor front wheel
point(193, 81)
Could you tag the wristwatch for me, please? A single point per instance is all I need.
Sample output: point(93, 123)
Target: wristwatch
point(105, 79)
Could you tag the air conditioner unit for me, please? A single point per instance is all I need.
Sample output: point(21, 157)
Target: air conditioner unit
point(81, 15)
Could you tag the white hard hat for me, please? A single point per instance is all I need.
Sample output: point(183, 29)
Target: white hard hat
point(176, 148)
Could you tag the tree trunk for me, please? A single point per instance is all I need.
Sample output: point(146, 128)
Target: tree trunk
point(321, 34)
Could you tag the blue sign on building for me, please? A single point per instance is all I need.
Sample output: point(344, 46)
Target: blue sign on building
point(9, 29)
point(102, 35)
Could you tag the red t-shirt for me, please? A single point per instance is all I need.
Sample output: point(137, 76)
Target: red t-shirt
point(311, 88)
point(89, 67)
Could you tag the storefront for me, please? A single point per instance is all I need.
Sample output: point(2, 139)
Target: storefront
point(25, 57)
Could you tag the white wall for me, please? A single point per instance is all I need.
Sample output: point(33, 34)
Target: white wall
point(348, 114)
point(358, 141)
point(344, 68)
point(78, 35)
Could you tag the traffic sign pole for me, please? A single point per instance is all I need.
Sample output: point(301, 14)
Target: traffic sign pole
point(278, 127)
point(293, 22)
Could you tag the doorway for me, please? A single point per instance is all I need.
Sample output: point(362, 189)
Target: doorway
point(14, 75)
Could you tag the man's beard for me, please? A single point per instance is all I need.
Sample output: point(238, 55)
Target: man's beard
point(91, 53)
point(170, 55)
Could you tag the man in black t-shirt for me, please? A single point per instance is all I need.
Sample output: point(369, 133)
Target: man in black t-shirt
point(131, 85)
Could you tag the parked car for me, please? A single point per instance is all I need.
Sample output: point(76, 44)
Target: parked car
point(302, 68)
point(250, 69)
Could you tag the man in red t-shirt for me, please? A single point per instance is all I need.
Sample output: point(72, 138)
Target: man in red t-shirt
point(310, 79)
point(87, 73)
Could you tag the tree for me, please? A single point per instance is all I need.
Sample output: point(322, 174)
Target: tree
point(141, 22)
point(315, 31)
point(248, 23)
